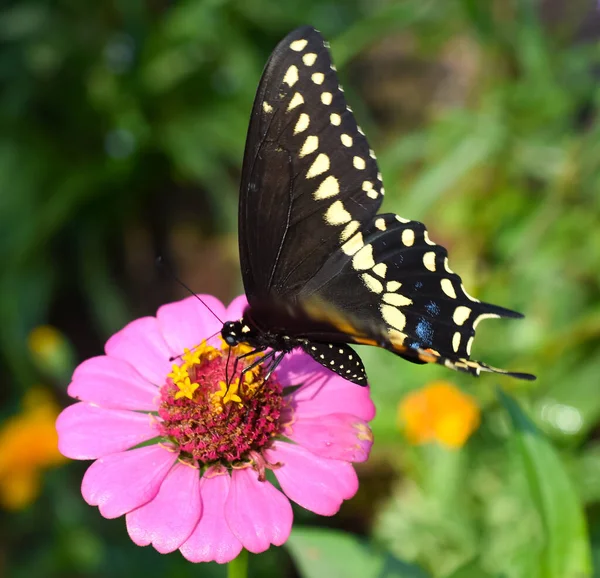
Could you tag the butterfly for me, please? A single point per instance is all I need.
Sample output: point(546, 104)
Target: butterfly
point(321, 268)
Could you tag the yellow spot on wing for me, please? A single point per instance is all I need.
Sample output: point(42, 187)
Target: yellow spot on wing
point(364, 259)
point(359, 163)
point(461, 314)
point(320, 165)
point(309, 58)
point(267, 107)
point(318, 77)
point(302, 124)
point(380, 224)
point(328, 188)
point(408, 237)
point(349, 230)
point(470, 344)
point(326, 98)
point(397, 299)
point(448, 288)
point(393, 317)
point(380, 269)
point(346, 140)
point(336, 214)
point(291, 76)
point(311, 144)
point(335, 119)
point(298, 45)
point(456, 341)
point(297, 100)
point(354, 244)
point(372, 284)
point(429, 260)
point(393, 286)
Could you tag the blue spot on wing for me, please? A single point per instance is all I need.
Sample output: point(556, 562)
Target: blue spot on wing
point(433, 308)
point(424, 331)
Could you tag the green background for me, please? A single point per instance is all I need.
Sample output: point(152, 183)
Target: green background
point(123, 127)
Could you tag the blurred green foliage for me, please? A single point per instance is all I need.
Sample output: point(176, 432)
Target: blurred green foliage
point(123, 126)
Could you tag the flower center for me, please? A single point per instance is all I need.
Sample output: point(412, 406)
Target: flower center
point(215, 416)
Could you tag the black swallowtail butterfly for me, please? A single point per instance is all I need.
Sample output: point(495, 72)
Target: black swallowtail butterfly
point(321, 268)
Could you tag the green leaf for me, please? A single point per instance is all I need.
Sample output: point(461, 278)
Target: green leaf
point(565, 549)
point(321, 552)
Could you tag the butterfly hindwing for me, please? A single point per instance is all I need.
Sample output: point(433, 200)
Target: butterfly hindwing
point(403, 296)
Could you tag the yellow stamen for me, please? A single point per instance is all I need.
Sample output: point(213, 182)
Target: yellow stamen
point(193, 357)
point(230, 393)
point(179, 372)
point(186, 388)
point(226, 395)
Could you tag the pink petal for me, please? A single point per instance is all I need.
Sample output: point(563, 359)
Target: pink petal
point(338, 436)
point(323, 389)
point(167, 521)
point(122, 482)
point(212, 540)
point(113, 383)
point(257, 513)
point(235, 310)
point(317, 484)
point(187, 322)
point(142, 345)
point(87, 432)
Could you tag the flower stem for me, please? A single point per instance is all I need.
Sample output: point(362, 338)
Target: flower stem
point(238, 567)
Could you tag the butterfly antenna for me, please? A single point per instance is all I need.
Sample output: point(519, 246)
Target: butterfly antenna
point(174, 357)
point(160, 263)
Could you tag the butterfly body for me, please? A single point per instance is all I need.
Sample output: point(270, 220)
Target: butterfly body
point(321, 267)
point(337, 357)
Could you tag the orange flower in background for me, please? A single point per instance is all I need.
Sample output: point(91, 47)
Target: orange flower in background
point(439, 412)
point(29, 445)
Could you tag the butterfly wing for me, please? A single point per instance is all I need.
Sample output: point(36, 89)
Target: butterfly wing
point(309, 176)
point(404, 296)
point(317, 261)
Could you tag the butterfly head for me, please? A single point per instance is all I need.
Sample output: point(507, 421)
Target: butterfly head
point(232, 332)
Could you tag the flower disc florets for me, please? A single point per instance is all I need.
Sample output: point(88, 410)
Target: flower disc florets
point(215, 415)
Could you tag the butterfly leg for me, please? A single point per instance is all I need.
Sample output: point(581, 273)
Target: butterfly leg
point(276, 361)
point(235, 363)
point(264, 358)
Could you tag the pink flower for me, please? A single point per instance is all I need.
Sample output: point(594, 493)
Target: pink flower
point(184, 456)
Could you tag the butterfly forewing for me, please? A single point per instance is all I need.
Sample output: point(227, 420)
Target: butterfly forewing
point(309, 177)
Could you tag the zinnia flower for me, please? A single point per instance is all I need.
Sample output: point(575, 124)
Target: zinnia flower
point(439, 412)
point(185, 456)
